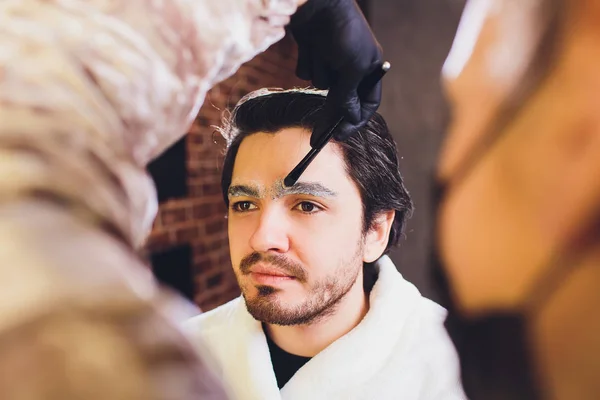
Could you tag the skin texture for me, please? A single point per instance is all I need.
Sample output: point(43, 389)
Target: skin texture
point(312, 232)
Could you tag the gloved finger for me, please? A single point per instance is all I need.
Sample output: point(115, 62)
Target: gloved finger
point(369, 96)
point(369, 103)
point(320, 74)
point(345, 130)
point(342, 101)
point(327, 119)
point(356, 106)
point(304, 64)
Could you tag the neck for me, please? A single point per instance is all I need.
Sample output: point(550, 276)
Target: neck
point(567, 336)
point(310, 339)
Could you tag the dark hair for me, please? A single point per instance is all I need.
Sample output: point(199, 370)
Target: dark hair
point(370, 154)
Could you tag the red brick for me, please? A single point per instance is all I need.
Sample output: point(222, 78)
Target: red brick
point(202, 296)
point(233, 292)
point(204, 121)
point(213, 178)
point(209, 164)
point(215, 245)
point(195, 191)
point(173, 216)
point(200, 248)
point(158, 239)
point(201, 153)
point(225, 260)
point(209, 189)
point(204, 265)
point(214, 280)
point(202, 172)
point(211, 303)
point(216, 226)
point(201, 211)
point(186, 234)
point(195, 150)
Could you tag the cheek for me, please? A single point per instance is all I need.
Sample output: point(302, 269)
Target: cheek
point(326, 241)
point(239, 232)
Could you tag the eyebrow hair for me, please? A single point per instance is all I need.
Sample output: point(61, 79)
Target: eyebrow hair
point(243, 190)
point(307, 188)
point(279, 190)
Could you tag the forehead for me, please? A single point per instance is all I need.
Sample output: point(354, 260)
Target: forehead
point(265, 158)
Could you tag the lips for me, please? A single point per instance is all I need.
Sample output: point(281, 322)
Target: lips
point(269, 276)
point(269, 271)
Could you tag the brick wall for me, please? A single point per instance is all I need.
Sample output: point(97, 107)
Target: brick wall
point(199, 220)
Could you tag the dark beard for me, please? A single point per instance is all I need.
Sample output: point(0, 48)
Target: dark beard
point(323, 297)
point(265, 308)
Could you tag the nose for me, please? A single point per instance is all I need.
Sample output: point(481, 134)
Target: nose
point(271, 233)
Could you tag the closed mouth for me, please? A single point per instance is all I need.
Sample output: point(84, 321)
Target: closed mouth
point(265, 271)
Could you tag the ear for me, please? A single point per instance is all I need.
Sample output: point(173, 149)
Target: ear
point(377, 236)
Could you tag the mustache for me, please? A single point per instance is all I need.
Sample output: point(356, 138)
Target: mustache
point(282, 263)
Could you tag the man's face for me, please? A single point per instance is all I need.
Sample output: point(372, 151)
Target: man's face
point(311, 234)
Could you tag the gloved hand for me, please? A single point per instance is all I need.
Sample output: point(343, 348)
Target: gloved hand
point(336, 51)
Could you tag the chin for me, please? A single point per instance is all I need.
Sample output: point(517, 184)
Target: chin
point(270, 313)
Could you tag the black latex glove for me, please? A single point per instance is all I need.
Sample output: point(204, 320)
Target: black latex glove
point(336, 51)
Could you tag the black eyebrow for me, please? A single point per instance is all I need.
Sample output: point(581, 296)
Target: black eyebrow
point(243, 190)
point(308, 188)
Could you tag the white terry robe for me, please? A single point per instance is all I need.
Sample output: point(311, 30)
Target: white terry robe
point(400, 350)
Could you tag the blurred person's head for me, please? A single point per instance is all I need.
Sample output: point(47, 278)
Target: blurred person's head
point(347, 209)
point(517, 228)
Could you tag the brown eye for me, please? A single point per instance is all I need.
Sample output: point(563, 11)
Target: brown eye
point(242, 206)
point(308, 207)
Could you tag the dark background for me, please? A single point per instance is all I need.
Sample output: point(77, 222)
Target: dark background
point(416, 36)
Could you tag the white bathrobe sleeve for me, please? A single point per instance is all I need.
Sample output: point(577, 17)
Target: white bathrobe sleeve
point(90, 91)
